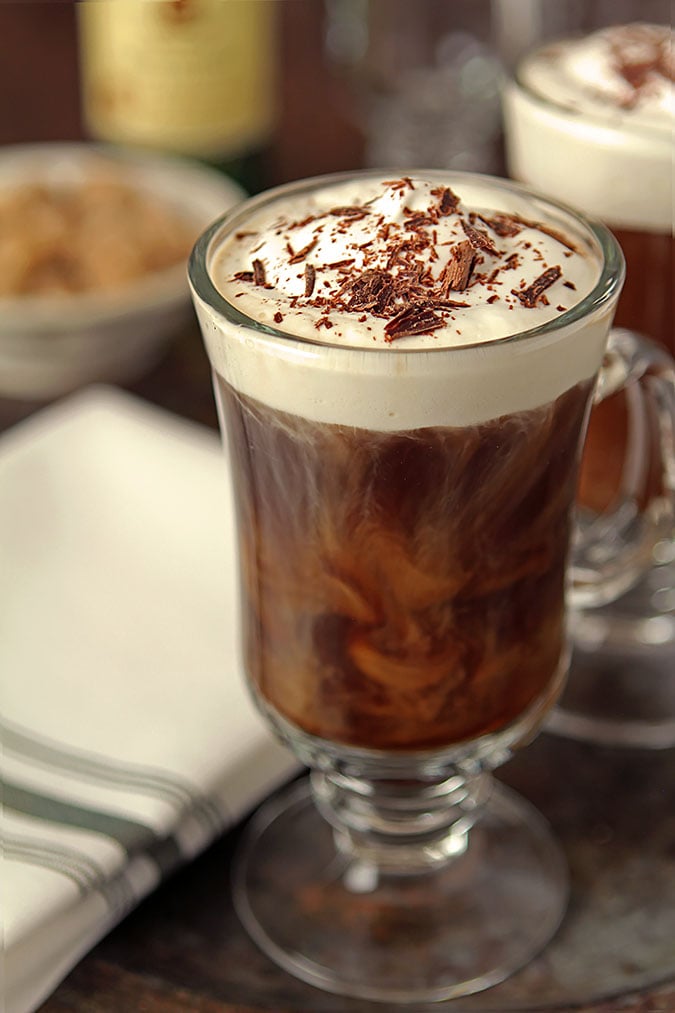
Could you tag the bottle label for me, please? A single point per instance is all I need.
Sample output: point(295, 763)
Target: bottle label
point(191, 76)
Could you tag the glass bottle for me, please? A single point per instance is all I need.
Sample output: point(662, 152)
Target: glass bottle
point(191, 77)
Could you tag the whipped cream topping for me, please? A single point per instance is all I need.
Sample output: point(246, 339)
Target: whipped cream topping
point(626, 72)
point(407, 291)
point(407, 261)
point(591, 120)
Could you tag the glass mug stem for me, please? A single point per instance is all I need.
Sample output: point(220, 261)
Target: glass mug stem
point(613, 550)
point(398, 828)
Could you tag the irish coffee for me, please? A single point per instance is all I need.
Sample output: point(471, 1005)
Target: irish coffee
point(590, 120)
point(404, 376)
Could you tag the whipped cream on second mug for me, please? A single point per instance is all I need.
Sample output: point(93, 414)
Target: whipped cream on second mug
point(591, 120)
point(623, 73)
point(410, 264)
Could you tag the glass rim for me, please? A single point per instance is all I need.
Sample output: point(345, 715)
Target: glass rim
point(607, 286)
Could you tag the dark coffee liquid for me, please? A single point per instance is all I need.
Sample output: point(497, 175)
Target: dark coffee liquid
point(403, 590)
point(647, 305)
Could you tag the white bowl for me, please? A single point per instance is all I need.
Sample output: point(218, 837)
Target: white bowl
point(52, 344)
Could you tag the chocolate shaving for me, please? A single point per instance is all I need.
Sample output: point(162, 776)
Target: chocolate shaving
point(401, 184)
point(479, 240)
point(412, 320)
point(310, 279)
point(301, 254)
point(394, 255)
point(444, 304)
point(641, 52)
point(503, 225)
point(303, 222)
point(547, 230)
point(457, 271)
point(531, 295)
point(339, 263)
point(278, 317)
point(350, 211)
point(417, 220)
point(637, 74)
point(243, 276)
point(372, 290)
point(448, 203)
point(258, 272)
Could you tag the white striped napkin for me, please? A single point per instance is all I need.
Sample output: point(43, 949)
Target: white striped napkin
point(129, 741)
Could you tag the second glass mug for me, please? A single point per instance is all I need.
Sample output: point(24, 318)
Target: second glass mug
point(621, 689)
point(403, 607)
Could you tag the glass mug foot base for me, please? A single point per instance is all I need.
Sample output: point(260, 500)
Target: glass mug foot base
point(342, 925)
point(619, 697)
point(621, 685)
point(643, 618)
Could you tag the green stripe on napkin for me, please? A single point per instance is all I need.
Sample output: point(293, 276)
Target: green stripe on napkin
point(132, 836)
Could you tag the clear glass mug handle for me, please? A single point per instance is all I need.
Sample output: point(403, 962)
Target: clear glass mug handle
point(612, 550)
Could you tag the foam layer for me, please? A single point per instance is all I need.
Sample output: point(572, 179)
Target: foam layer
point(398, 231)
point(340, 265)
point(591, 121)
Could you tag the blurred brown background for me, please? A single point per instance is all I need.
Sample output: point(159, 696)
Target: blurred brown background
point(40, 88)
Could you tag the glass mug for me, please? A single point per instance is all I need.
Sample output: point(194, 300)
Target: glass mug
point(403, 612)
point(622, 684)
